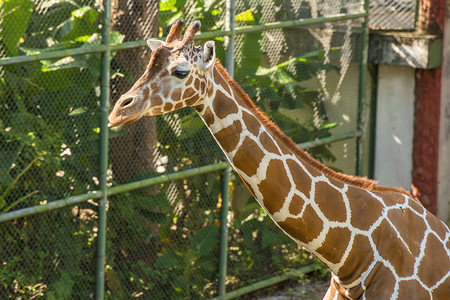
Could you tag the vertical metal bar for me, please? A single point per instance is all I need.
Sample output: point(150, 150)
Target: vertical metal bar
point(103, 165)
point(229, 64)
point(223, 251)
point(229, 40)
point(373, 121)
point(362, 105)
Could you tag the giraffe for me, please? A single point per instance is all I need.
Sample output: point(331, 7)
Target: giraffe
point(378, 242)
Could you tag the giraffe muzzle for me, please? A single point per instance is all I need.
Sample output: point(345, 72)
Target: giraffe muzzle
point(125, 111)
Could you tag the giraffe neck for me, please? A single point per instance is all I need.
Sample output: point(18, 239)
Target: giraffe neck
point(287, 185)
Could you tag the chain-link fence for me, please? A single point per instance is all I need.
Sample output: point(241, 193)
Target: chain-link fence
point(303, 62)
point(393, 14)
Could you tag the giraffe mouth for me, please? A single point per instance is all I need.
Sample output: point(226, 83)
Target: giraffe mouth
point(122, 121)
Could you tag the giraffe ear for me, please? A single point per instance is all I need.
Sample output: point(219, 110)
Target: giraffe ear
point(153, 44)
point(209, 54)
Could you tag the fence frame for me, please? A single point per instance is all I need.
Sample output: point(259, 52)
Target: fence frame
point(105, 48)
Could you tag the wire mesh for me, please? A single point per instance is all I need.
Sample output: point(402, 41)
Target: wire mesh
point(162, 241)
point(393, 15)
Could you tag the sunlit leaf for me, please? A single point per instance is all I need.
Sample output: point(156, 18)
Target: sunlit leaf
point(246, 16)
point(16, 15)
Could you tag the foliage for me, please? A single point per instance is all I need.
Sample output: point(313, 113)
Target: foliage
point(49, 141)
point(165, 241)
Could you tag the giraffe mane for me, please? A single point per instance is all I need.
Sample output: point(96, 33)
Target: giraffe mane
point(361, 182)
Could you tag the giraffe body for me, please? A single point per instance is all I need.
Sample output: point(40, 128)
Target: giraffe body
point(378, 242)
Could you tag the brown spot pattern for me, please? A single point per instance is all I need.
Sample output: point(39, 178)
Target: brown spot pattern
point(442, 291)
point(179, 105)
point(382, 285)
point(268, 143)
point(202, 87)
point(189, 92)
point(337, 183)
point(248, 157)
point(436, 225)
point(199, 108)
point(391, 198)
point(251, 123)
point(301, 180)
point(168, 106)
point(154, 86)
point(365, 210)
point(146, 93)
point(192, 100)
point(313, 225)
point(410, 226)
point(330, 201)
point(436, 256)
point(176, 94)
point(197, 83)
point(218, 79)
point(223, 106)
point(391, 248)
point(156, 100)
point(210, 89)
point(335, 244)
point(275, 187)
point(305, 229)
point(189, 81)
point(358, 260)
point(416, 206)
point(228, 137)
point(412, 289)
point(296, 205)
point(208, 116)
point(312, 170)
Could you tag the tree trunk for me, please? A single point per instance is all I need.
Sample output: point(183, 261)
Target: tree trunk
point(132, 153)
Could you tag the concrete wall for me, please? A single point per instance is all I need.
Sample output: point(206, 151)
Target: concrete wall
point(394, 126)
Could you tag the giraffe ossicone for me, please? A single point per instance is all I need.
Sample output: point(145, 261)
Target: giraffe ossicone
point(378, 242)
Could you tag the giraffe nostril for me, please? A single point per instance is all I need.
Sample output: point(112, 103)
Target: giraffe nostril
point(126, 102)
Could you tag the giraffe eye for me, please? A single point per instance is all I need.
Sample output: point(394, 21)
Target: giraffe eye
point(180, 73)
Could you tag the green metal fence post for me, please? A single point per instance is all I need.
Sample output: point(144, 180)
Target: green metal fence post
point(229, 40)
point(229, 64)
point(362, 105)
point(223, 251)
point(104, 110)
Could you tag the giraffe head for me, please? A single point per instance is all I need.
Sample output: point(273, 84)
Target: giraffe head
point(176, 76)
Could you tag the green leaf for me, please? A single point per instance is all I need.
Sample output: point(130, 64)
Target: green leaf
point(83, 23)
point(170, 259)
point(16, 16)
point(205, 239)
point(155, 217)
point(246, 16)
point(283, 77)
point(251, 56)
point(2, 203)
point(8, 157)
point(191, 125)
point(116, 37)
point(56, 79)
point(268, 237)
point(168, 5)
